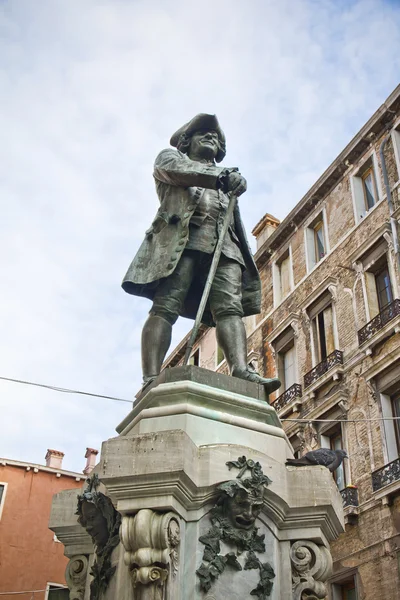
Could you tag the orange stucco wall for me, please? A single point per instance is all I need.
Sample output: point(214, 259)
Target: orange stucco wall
point(29, 556)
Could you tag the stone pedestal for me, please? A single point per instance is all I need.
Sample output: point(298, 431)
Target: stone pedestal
point(164, 471)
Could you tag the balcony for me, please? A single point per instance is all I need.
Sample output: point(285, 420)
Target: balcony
point(378, 323)
point(288, 400)
point(333, 360)
point(349, 496)
point(387, 475)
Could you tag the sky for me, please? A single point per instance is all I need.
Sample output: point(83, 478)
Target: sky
point(90, 92)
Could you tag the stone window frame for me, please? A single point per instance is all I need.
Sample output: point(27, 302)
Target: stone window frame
point(309, 240)
point(372, 250)
point(276, 276)
point(4, 484)
point(357, 186)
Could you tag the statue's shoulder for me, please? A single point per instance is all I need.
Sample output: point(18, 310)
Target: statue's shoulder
point(167, 155)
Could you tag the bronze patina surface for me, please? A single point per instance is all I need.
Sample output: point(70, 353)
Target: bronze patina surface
point(172, 263)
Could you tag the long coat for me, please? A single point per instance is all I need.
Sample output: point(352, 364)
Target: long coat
point(180, 184)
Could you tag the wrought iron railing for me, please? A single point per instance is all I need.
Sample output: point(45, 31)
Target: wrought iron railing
point(335, 358)
point(288, 396)
point(349, 496)
point(387, 474)
point(390, 311)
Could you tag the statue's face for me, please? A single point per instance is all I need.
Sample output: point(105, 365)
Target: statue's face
point(243, 510)
point(204, 144)
point(94, 523)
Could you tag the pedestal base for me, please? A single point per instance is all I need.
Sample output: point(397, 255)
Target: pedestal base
point(164, 474)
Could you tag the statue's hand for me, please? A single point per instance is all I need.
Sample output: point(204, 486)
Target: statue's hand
point(235, 183)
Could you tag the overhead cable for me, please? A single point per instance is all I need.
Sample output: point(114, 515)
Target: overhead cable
point(115, 399)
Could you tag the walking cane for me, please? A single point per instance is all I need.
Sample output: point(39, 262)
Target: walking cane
point(210, 277)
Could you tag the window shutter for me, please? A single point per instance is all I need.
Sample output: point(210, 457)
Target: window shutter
point(285, 277)
point(289, 364)
point(329, 336)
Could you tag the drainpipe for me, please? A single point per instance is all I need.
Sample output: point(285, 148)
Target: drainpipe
point(393, 221)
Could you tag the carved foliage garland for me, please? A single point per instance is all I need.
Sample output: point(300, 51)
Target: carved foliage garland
point(100, 519)
point(233, 522)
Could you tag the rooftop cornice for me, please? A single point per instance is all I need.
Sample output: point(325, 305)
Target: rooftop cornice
point(380, 120)
point(4, 462)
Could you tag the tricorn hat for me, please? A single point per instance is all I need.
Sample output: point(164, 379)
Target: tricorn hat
point(201, 121)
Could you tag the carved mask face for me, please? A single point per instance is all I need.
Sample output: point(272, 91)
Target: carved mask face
point(204, 144)
point(243, 510)
point(94, 523)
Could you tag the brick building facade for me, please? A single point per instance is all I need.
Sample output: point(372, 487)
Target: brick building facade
point(31, 558)
point(330, 330)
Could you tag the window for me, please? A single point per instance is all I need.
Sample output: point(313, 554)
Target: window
point(346, 590)
point(387, 384)
point(369, 188)
point(365, 188)
point(220, 354)
point(322, 315)
point(316, 241)
point(378, 286)
point(285, 349)
point(296, 445)
point(283, 277)
point(336, 443)
point(374, 261)
point(395, 401)
point(195, 358)
point(56, 591)
point(383, 287)
point(323, 334)
point(332, 438)
point(3, 488)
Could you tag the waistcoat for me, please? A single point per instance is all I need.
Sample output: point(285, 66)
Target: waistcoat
point(206, 224)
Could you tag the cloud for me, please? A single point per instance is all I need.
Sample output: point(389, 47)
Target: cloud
point(90, 92)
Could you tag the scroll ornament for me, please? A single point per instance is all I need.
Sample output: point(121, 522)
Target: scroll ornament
point(311, 567)
point(151, 541)
point(75, 575)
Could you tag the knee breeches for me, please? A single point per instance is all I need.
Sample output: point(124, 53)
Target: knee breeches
point(225, 297)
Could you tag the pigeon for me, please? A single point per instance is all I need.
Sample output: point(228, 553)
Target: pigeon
point(331, 459)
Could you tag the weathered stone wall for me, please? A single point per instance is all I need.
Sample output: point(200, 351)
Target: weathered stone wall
point(371, 543)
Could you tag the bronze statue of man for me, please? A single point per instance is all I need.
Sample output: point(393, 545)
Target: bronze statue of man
point(173, 261)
